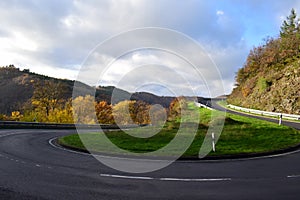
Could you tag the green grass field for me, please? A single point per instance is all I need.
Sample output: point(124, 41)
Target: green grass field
point(240, 135)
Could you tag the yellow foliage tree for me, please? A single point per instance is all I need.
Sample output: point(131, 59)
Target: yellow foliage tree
point(132, 112)
point(64, 114)
point(16, 116)
point(122, 112)
point(84, 110)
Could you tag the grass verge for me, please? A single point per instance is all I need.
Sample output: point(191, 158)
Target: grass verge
point(240, 135)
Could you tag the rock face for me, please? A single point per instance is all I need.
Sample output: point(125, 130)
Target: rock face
point(275, 90)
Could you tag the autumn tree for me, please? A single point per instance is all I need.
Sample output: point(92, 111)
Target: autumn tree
point(63, 113)
point(140, 112)
point(84, 110)
point(123, 112)
point(104, 113)
point(132, 112)
point(16, 116)
point(176, 107)
point(158, 115)
point(3, 117)
point(47, 96)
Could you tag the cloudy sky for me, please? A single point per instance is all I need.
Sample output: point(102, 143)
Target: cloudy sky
point(58, 37)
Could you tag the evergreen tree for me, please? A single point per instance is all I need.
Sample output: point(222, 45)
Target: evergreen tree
point(290, 25)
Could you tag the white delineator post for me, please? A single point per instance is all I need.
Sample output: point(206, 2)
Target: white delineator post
point(280, 119)
point(213, 142)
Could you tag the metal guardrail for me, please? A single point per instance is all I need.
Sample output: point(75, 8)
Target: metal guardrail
point(265, 113)
point(200, 105)
point(37, 125)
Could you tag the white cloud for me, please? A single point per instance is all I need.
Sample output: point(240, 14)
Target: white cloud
point(220, 12)
point(155, 67)
point(54, 37)
point(24, 43)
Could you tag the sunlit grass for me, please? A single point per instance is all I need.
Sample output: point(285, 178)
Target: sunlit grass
point(240, 135)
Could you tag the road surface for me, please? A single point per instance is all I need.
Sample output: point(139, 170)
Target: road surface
point(31, 168)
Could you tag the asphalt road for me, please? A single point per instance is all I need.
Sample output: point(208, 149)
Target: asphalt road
point(30, 168)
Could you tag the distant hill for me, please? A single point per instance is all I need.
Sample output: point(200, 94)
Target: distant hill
point(17, 87)
point(270, 78)
point(152, 99)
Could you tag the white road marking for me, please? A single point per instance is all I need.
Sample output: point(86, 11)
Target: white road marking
point(103, 156)
point(127, 177)
point(293, 176)
point(65, 149)
point(166, 179)
point(195, 179)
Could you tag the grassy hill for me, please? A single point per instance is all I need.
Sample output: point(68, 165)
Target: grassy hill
point(17, 87)
point(270, 78)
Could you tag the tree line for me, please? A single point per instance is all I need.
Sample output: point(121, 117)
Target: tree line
point(48, 104)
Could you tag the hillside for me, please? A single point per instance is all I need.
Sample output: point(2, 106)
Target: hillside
point(270, 78)
point(17, 87)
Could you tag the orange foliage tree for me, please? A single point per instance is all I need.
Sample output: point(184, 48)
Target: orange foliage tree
point(104, 113)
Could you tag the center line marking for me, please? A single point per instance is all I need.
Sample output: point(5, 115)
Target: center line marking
point(293, 176)
point(166, 179)
point(127, 177)
point(195, 179)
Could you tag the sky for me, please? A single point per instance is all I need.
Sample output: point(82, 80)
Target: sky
point(61, 38)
